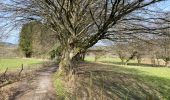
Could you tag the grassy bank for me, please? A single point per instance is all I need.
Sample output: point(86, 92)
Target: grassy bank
point(15, 63)
point(59, 87)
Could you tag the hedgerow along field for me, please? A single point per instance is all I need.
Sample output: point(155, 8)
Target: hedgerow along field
point(15, 63)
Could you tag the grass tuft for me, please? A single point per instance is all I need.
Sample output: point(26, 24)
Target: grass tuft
point(59, 87)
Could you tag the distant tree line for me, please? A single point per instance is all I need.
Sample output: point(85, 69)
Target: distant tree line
point(156, 49)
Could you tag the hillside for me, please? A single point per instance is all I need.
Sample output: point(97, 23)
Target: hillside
point(8, 50)
point(7, 44)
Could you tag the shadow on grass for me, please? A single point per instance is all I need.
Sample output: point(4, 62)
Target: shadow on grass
point(102, 81)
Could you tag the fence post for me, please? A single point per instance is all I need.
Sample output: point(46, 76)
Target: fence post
point(5, 72)
point(22, 68)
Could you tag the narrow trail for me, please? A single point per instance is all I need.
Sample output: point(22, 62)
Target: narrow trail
point(40, 88)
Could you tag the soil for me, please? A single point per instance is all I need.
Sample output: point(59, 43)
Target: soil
point(39, 88)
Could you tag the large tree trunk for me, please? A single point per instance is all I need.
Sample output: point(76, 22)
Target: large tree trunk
point(79, 56)
point(65, 64)
point(28, 55)
point(69, 59)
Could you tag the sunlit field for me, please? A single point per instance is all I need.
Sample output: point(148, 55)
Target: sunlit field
point(156, 78)
point(148, 70)
point(16, 63)
point(106, 59)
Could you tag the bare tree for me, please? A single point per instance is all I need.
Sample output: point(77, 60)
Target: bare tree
point(162, 49)
point(125, 52)
point(78, 24)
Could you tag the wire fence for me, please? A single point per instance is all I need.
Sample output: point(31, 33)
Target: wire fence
point(8, 76)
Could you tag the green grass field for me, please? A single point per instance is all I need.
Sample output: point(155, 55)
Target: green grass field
point(106, 59)
point(15, 63)
point(130, 82)
point(157, 78)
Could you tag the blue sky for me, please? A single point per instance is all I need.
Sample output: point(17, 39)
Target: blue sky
point(14, 35)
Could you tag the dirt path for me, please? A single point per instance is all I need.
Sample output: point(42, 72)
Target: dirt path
point(40, 88)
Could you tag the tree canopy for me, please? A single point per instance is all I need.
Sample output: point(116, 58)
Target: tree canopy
point(37, 39)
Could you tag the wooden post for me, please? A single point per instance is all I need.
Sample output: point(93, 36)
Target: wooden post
point(5, 72)
point(22, 68)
